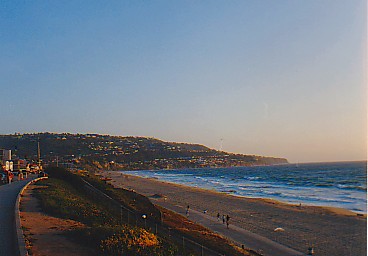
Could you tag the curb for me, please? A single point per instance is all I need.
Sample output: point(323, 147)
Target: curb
point(18, 228)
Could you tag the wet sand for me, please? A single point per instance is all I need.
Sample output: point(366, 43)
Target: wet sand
point(330, 231)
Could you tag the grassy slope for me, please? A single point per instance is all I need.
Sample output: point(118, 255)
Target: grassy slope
point(64, 198)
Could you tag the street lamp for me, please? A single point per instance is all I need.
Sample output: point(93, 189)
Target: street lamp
point(145, 219)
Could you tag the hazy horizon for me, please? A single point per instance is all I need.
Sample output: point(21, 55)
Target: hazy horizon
point(275, 78)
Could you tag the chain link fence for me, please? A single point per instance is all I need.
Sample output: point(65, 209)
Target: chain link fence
point(185, 245)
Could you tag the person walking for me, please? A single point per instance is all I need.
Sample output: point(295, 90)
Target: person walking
point(223, 219)
point(218, 216)
point(227, 221)
point(187, 211)
point(20, 175)
point(9, 176)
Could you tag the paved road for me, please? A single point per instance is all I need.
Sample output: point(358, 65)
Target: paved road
point(8, 196)
point(239, 235)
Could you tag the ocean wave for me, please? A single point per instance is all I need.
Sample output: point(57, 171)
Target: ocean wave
point(275, 193)
point(252, 178)
point(216, 182)
point(200, 178)
point(351, 187)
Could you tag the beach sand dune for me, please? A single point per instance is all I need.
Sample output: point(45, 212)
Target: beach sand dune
point(330, 231)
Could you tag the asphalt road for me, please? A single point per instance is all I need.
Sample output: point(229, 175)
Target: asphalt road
point(8, 196)
point(234, 233)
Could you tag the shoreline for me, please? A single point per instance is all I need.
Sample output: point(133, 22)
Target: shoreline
point(305, 226)
point(334, 209)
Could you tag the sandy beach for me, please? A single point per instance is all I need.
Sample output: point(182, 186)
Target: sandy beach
point(330, 231)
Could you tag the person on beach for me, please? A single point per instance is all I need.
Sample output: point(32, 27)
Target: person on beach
point(223, 219)
point(227, 221)
point(187, 211)
point(218, 216)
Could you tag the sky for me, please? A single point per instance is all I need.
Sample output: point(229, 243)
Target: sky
point(284, 78)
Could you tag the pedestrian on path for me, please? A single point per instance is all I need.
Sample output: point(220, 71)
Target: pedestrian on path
point(187, 211)
point(227, 221)
point(9, 176)
point(218, 216)
point(223, 219)
point(20, 175)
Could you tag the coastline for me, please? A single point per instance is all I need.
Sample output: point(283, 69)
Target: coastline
point(308, 185)
point(331, 209)
point(333, 231)
point(314, 208)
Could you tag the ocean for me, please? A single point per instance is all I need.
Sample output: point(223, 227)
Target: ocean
point(342, 184)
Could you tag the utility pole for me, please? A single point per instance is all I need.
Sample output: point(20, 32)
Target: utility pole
point(39, 154)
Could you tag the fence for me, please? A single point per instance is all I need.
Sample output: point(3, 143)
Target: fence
point(186, 245)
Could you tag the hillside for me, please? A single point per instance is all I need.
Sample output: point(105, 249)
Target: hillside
point(130, 153)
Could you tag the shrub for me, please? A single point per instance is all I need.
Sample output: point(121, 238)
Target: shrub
point(130, 241)
point(123, 240)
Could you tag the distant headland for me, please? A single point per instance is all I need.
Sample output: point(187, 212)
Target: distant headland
point(124, 153)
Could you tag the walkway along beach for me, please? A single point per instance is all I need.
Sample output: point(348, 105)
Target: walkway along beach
point(8, 196)
point(328, 231)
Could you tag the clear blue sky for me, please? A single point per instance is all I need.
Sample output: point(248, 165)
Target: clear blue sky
point(279, 78)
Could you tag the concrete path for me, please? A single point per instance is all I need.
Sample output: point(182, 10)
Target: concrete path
point(238, 235)
point(8, 196)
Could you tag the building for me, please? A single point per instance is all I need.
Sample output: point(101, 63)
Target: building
point(6, 156)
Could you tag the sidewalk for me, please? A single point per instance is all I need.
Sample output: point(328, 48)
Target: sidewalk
point(8, 196)
point(238, 235)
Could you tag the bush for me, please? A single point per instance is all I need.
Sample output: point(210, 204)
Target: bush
point(123, 240)
point(133, 241)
